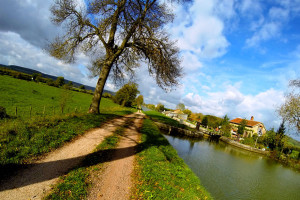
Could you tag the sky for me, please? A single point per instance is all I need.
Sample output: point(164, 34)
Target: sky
point(237, 56)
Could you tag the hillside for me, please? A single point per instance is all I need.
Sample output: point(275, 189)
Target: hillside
point(32, 71)
point(41, 98)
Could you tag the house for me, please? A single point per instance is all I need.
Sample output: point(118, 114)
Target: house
point(252, 127)
point(176, 114)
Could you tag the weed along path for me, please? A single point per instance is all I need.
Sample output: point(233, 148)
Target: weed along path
point(115, 180)
point(36, 180)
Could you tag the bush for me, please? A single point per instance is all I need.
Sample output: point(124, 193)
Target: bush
point(107, 95)
point(3, 113)
point(295, 154)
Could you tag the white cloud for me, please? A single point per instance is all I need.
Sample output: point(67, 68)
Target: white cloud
point(199, 30)
point(22, 53)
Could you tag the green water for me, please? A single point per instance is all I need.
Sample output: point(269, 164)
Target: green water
point(231, 173)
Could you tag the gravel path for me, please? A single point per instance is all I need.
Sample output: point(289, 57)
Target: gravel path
point(115, 181)
point(35, 181)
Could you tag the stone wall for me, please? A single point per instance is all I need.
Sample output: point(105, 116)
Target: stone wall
point(243, 146)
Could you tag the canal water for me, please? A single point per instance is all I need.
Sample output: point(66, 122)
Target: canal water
point(231, 173)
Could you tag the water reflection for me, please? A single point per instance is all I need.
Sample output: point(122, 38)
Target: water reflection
point(232, 173)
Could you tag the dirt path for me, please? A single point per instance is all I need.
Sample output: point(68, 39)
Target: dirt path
point(35, 181)
point(115, 182)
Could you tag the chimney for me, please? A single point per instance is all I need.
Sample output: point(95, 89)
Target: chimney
point(252, 118)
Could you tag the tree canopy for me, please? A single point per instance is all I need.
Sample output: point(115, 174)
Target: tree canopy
point(117, 35)
point(127, 94)
point(290, 109)
point(180, 106)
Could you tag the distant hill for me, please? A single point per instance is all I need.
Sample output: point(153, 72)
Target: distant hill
point(32, 71)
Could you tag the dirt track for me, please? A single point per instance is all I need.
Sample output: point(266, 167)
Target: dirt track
point(116, 181)
point(36, 180)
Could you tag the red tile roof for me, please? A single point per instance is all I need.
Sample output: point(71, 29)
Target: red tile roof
point(249, 122)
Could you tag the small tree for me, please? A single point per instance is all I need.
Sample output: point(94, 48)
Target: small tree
point(65, 98)
point(180, 106)
point(290, 110)
point(205, 121)
point(82, 87)
point(280, 134)
point(160, 107)
point(127, 94)
point(140, 101)
point(60, 81)
point(3, 113)
point(187, 111)
point(35, 76)
point(242, 127)
point(151, 106)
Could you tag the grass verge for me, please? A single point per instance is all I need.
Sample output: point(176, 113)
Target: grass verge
point(76, 183)
point(22, 141)
point(161, 173)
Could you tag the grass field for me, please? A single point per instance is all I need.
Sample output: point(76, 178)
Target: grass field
point(24, 137)
point(43, 99)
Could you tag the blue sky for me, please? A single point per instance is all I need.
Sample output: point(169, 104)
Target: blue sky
point(238, 56)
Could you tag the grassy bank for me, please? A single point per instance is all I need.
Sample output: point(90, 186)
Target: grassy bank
point(157, 116)
point(161, 173)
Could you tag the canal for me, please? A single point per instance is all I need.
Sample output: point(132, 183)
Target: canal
point(228, 172)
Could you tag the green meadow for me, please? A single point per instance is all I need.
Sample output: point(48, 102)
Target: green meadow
point(24, 136)
point(42, 99)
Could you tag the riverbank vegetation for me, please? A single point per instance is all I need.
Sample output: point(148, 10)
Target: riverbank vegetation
point(161, 173)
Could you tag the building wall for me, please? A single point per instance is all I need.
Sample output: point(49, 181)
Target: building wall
point(252, 130)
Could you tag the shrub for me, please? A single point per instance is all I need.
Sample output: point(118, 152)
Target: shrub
point(107, 95)
point(295, 154)
point(3, 113)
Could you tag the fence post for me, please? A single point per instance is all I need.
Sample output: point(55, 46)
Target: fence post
point(16, 110)
point(53, 111)
point(75, 109)
point(30, 111)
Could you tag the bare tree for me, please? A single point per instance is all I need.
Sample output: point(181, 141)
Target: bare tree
point(290, 110)
point(117, 35)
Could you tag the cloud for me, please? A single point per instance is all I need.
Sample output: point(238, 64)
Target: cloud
point(23, 53)
point(235, 104)
point(272, 24)
point(200, 30)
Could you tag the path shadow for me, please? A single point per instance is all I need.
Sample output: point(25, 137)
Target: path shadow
point(39, 172)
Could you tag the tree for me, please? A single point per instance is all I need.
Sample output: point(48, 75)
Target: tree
point(187, 111)
point(225, 126)
point(180, 106)
point(65, 98)
point(205, 121)
point(127, 94)
point(140, 101)
point(60, 81)
point(242, 127)
point(35, 76)
point(280, 134)
point(151, 106)
point(117, 35)
point(160, 107)
point(290, 109)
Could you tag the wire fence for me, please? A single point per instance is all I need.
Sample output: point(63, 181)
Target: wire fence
point(46, 110)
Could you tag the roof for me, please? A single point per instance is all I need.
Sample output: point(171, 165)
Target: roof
point(249, 122)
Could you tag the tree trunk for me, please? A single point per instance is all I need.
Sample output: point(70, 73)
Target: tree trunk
point(95, 105)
